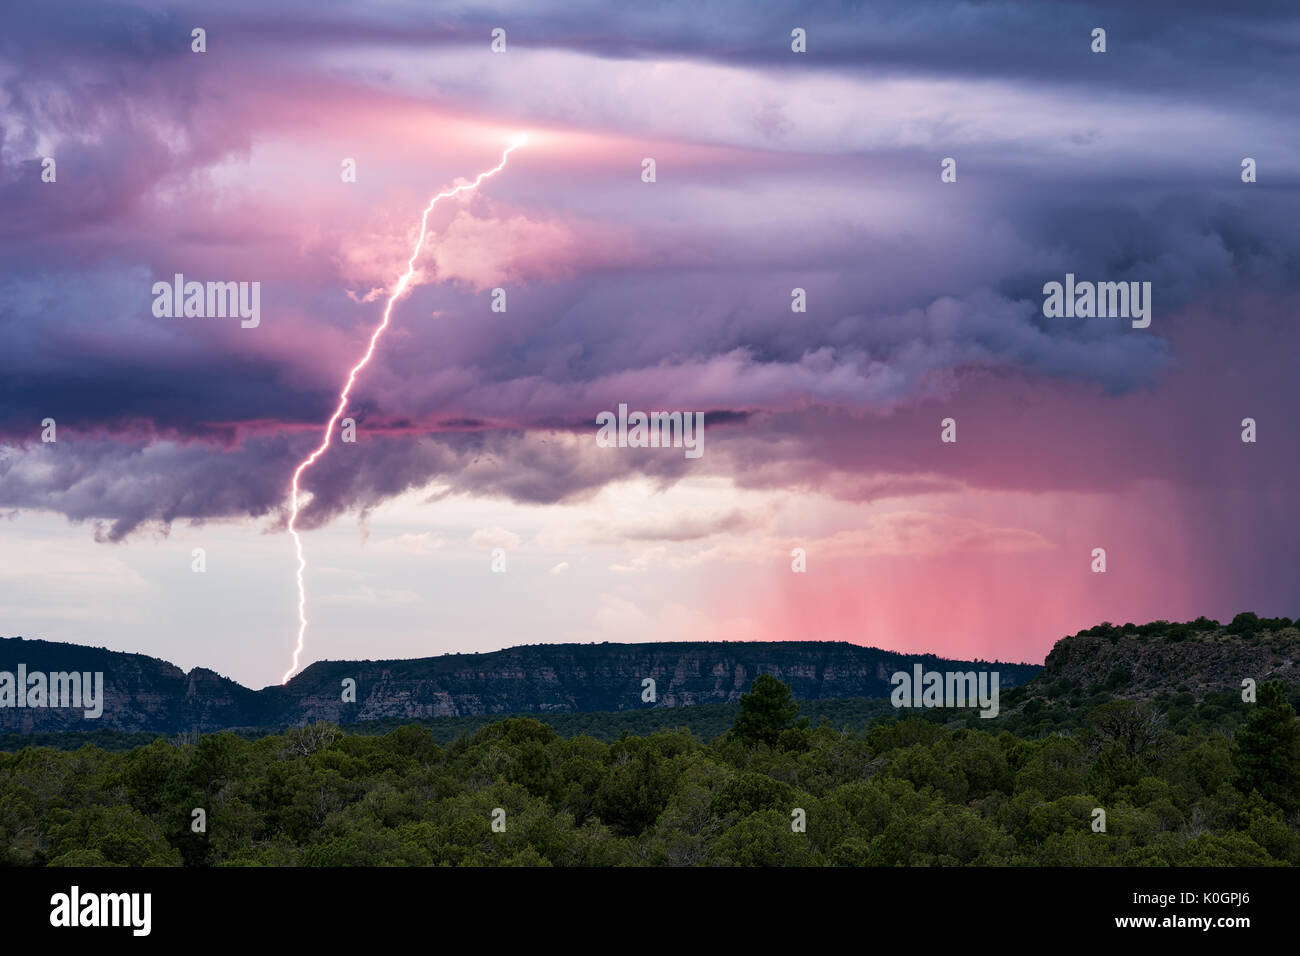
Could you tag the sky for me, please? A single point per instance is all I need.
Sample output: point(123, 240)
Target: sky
point(476, 429)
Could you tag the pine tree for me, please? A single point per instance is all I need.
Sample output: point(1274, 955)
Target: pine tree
point(765, 711)
point(1267, 754)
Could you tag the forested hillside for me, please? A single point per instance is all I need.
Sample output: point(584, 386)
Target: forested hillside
point(910, 791)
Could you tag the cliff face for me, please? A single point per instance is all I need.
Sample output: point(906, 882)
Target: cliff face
point(139, 693)
point(604, 677)
point(143, 693)
point(1142, 662)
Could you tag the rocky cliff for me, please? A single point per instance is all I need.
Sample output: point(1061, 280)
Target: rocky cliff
point(146, 694)
point(1202, 656)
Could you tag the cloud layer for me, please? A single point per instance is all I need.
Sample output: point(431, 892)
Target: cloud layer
point(775, 171)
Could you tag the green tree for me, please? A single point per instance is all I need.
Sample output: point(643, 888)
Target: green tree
point(1137, 729)
point(764, 839)
point(765, 711)
point(1267, 754)
point(117, 836)
point(636, 788)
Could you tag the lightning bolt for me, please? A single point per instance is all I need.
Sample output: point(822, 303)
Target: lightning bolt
point(403, 284)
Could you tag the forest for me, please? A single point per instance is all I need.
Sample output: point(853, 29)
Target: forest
point(1089, 780)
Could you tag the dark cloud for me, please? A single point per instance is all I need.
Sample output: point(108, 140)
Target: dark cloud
point(911, 313)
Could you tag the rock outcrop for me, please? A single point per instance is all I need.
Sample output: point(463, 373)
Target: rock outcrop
point(146, 694)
